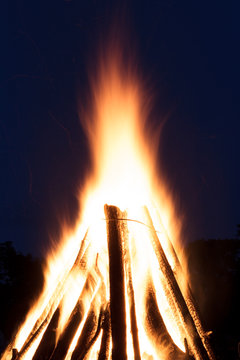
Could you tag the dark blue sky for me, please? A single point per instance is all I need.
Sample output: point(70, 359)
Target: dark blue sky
point(188, 54)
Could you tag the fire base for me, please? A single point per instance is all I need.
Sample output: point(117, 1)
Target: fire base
point(106, 322)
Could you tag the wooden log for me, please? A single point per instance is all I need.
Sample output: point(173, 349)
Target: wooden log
point(188, 296)
point(14, 354)
point(187, 355)
point(33, 337)
point(53, 303)
point(92, 326)
point(89, 334)
point(117, 287)
point(95, 336)
point(157, 330)
point(48, 342)
point(193, 309)
point(105, 343)
point(130, 289)
point(74, 320)
point(193, 338)
point(69, 331)
point(186, 349)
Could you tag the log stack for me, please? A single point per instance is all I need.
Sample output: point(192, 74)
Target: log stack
point(105, 318)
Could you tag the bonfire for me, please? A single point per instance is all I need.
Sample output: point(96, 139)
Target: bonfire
point(117, 285)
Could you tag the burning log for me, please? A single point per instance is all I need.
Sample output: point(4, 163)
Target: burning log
point(189, 298)
point(32, 338)
point(68, 333)
point(92, 325)
point(99, 327)
point(193, 309)
point(89, 334)
point(14, 354)
point(105, 343)
point(74, 320)
point(48, 342)
point(130, 290)
point(117, 287)
point(193, 338)
point(84, 340)
point(53, 303)
point(158, 331)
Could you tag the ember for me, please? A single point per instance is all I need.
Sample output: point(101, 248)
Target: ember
point(116, 288)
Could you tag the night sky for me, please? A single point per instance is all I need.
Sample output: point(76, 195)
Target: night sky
point(188, 54)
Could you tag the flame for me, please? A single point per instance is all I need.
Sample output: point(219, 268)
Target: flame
point(115, 129)
point(124, 159)
point(124, 174)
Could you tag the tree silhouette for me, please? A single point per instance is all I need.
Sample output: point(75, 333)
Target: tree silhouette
point(21, 280)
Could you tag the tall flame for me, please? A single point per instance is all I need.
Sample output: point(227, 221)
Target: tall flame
point(124, 157)
point(123, 161)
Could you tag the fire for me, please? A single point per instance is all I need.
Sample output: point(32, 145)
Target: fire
point(79, 282)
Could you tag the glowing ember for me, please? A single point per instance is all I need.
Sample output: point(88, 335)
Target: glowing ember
point(121, 292)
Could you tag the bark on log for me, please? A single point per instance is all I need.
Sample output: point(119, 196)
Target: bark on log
point(69, 331)
point(193, 338)
point(105, 343)
point(99, 327)
point(130, 290)
point(157, 330)
point(27, 344)
point(193, 309)
point(188, 296)
point(48, 342)
point(117, 287)
point(89, 334)
point(14, 354)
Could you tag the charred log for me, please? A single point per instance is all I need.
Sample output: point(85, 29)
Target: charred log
point(130, 290)
point(14, 354)
point(117, 287)
point(158, 331)
point(193, 338)
point(48, 342)
point(74, 321)
point(105, 343)
point(189, 298)
point(65, 339)
point(85, 340)
point(31, 339)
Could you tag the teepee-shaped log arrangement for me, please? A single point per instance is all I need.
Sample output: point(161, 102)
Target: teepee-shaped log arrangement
point(98, 327)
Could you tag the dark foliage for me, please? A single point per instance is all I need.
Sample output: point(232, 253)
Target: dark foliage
point(21, 280)
point(214, 270)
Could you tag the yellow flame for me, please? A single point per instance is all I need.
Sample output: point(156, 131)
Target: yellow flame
point(117, 136)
